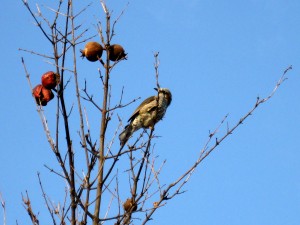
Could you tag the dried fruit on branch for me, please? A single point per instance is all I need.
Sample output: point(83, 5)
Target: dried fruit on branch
point(50, 80)
point(42, 95)
point(116, 52)
point(130, 205)
point(92, 51)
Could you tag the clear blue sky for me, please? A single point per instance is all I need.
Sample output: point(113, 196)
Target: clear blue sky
point(216, 58)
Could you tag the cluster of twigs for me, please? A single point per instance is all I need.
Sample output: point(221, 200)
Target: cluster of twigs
point(85, 198)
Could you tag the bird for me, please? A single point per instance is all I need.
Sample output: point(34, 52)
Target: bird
point(147, 114)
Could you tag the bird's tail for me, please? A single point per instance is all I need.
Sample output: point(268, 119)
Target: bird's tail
point(125, 135)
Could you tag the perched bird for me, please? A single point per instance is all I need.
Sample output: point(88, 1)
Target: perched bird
point(149, 112)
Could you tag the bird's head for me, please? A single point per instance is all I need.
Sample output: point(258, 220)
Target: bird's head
point(166, 93)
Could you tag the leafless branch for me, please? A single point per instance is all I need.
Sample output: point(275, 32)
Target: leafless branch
point(46, 200)
point(40, 111)
point(53, 171)
point(4, 209)
point(36, 53)
point(119, 106)
point(115, 22)
point(28, 207)
point(156, 65)
point(205, 151)
point(37, 22)
point(90, 97)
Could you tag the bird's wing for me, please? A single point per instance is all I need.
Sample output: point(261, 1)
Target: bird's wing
point(147, 105)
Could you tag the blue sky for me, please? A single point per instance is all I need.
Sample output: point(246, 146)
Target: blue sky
point(216, 57)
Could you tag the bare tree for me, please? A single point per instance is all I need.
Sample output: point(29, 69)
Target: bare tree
point(119, 183)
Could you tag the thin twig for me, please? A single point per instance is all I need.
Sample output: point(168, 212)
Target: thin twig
point(115, 22)
point(205, 152)
point(156, 65)
point(45, 199)
point(4, 209)
point(28, 207)
point(35, 53)
point(37, 22)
